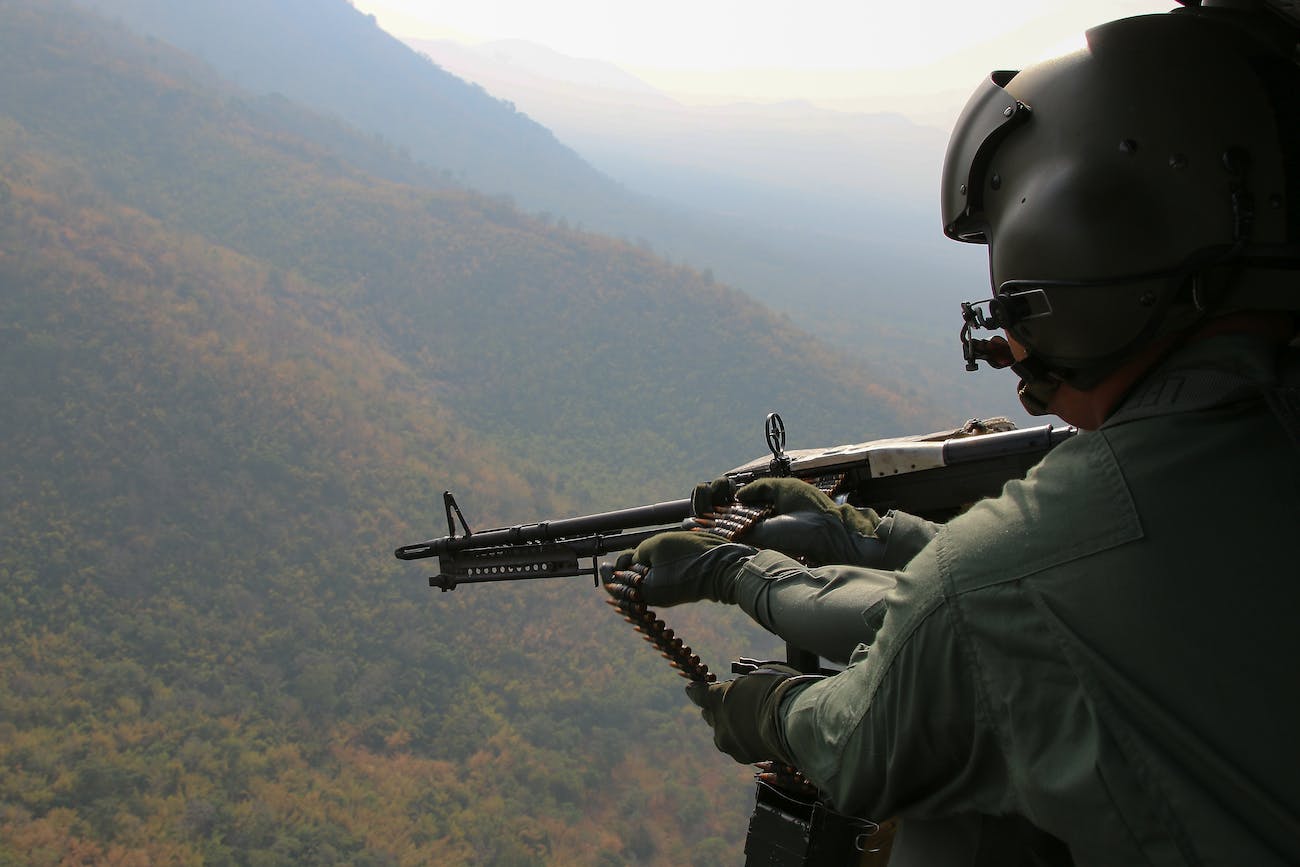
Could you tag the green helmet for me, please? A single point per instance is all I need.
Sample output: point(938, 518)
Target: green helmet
point(1128, 190)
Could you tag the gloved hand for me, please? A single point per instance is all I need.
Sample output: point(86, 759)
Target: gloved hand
point(685, 566)
point(744, 713)
point(805, 522)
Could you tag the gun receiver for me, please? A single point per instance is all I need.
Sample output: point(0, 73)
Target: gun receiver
point(933, 476)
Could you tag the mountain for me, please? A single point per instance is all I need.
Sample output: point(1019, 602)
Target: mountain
point(334, 59)
point(840, 206)
point(762, 198)
point(525, 62)
point(242, 348)
point(871, 160)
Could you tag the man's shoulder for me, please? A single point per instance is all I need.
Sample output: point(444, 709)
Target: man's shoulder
point(1073, 504)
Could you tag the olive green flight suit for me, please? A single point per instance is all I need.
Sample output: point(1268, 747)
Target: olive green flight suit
point(1110, 649)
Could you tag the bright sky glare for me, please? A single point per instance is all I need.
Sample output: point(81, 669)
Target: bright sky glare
point(777, 49)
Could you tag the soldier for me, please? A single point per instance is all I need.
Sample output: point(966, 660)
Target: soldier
point(1107, 649)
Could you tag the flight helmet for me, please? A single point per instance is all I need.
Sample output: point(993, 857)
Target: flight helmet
point(1127, 191)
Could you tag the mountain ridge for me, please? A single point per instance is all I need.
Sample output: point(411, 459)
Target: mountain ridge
point(295, 48)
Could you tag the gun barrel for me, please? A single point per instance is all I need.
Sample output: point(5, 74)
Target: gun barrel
point(657, 514)
point(1039, 439)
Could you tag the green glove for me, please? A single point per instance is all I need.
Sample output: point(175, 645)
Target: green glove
point(745, 713)
point(808, 524)
point(685, 566)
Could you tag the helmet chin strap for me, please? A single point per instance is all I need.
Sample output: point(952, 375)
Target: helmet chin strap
point(1035, 396)
point(1037, 386)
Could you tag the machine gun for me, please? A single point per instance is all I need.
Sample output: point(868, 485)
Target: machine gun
point(933, 476)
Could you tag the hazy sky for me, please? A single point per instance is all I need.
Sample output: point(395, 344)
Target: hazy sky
point(776, 49)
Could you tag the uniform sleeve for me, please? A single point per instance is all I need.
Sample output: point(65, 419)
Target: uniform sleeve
point(830, 610)
point(904, 536)
point(902, 730)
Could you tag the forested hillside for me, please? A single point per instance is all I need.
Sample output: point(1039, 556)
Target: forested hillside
point(822, 234)
point(237, 367)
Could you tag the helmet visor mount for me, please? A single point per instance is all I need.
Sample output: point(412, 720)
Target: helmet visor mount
point(1002, 312)
point(1009, 306)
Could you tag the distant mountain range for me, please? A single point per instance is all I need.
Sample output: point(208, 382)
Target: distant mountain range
point(872, 162)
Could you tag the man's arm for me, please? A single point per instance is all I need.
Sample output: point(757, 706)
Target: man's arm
point(901, 728)
point(832, 609)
